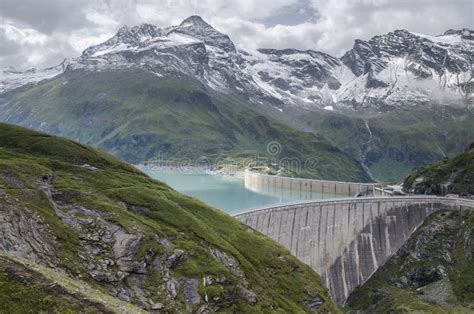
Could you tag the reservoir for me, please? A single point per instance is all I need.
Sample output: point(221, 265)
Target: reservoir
point(229, 193)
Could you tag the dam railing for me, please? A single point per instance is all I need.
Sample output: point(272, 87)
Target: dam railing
point(452, 202)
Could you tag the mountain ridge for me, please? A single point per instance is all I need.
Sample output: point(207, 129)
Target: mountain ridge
point(286, 77)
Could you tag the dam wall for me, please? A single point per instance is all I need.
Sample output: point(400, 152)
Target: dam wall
point(266, 183)
point(346, 240)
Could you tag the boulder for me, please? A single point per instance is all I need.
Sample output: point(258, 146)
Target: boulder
point(191, 292)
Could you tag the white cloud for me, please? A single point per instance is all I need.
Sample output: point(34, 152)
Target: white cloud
point(344, 20)
point(23, 36)
point(26, 47)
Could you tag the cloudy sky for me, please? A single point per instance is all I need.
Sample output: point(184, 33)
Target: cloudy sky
point(38, 33)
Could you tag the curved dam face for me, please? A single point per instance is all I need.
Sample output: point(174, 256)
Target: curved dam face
point(267, 183)
point(345, 241)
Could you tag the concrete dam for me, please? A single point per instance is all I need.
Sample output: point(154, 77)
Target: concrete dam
point(346, 240)
point(263, 183)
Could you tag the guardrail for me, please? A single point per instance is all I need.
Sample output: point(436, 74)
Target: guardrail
point(450, 201)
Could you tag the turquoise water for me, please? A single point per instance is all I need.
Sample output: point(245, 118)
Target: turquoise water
point(228, 193)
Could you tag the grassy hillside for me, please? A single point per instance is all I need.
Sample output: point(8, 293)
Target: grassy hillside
point(139, 116)
point(431, 273)
point(451, 175)
point(93, 223)
point(401, 140)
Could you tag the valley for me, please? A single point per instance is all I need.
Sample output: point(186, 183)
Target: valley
point(186, 91)
point(141, 117)
point(170, 169)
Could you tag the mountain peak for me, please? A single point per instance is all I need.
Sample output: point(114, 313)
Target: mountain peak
point(196, 27)
point(123, 29)
point(194, 20)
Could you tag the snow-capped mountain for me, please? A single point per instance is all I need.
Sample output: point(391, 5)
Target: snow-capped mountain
point(194, 48)
point(11, 78)
point(397, 68)
point(401, 66)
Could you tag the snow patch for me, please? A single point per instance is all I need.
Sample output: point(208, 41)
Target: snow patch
point(445, 39)
point(182, 39)
point(13, 79)
point(114, 49)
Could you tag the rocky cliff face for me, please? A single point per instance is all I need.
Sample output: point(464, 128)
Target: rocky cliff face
point(88, 222)
point(449, 176)
point(432, 272)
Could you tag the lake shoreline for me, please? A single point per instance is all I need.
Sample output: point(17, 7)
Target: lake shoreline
point(191, 170)
point(226, 192)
